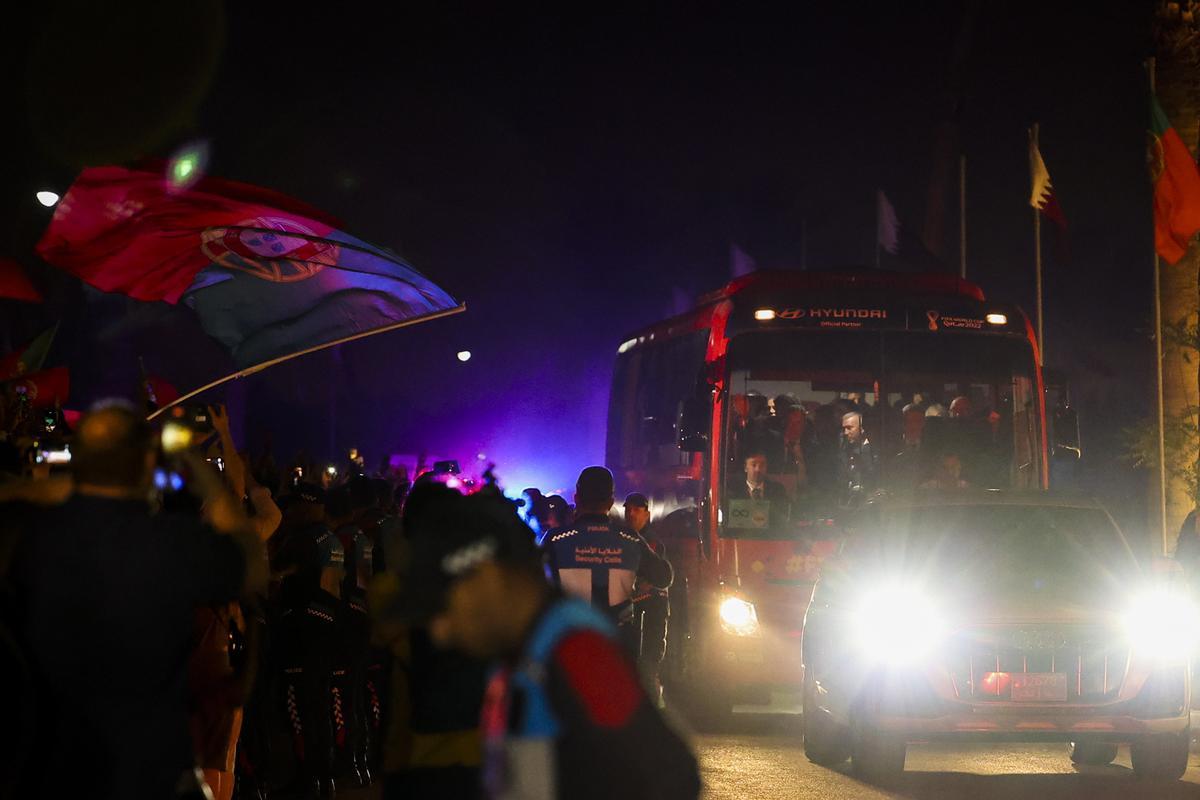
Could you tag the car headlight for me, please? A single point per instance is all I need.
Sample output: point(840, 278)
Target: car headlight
point(897, 624)
point(738, 617)
point(1163, 624)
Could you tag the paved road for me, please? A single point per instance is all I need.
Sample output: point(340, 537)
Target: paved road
point(760, 757)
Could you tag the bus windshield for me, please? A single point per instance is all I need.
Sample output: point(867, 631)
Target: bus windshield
point(819, 420)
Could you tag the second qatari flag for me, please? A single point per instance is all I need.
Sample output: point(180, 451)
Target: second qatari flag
point(267, 275)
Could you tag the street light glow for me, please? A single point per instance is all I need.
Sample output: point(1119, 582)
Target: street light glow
point(47, 198)
point(464, 356)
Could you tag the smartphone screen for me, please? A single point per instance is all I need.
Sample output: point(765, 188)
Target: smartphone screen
point(55, 456)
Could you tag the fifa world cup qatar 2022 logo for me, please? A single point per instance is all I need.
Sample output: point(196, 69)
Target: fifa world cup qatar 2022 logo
point(271, 248)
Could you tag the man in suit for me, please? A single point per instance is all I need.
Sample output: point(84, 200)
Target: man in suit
point(757, 485)
point(760, 488)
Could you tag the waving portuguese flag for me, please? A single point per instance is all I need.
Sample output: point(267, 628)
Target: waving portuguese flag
point(267, 275)
point(1176, 187)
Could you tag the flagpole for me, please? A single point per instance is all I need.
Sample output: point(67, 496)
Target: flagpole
point(1158, 369)
point(260, 367)
point(1037, 261)
point(962, 216)
point(1162, 435)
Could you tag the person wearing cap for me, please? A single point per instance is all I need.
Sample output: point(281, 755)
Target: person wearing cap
point(564, 715)
point(598, 560)
point(558, 512)
point(652, 603)
point(306, 639)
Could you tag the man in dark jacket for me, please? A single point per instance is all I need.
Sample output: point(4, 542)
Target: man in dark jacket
point(107, 594)
point(598, 560)
point(652, 602)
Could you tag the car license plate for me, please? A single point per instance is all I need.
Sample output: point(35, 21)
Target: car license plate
point(1039, 687)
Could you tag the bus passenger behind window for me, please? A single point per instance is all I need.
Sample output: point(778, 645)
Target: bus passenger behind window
point(905, 471)
point(858, 461)
point(797, 464)
point(948, 474)
point(761, 434)
point(960, 407)
point(821, 441)
point(757, 485)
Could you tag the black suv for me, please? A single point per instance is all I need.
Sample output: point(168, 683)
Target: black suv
point(999, 617)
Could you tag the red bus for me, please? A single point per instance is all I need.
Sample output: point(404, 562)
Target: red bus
point(772, 374)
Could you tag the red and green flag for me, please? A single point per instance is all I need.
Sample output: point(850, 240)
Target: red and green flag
point(45, 388)
point(1176, 187)
point(24, 373)
point(29, 358)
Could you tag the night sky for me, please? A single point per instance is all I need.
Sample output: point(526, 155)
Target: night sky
point(573, 178)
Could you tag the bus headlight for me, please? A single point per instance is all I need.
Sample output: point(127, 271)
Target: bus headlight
point(738, 617)
point(897, 624)
point(1163, 625)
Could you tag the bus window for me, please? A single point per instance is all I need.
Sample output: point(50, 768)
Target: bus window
point(622, 416)
point(650, 384)
point(820, 420)
point(801, 443)
point(969, 386)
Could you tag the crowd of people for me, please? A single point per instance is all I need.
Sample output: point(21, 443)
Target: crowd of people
point(188, 621)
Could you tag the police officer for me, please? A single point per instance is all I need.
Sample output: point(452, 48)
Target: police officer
point(652, 602)
point(598, 560)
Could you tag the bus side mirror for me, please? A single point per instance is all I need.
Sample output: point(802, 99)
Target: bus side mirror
point(695, 417)
point(1065, 445)
point(1066, 435)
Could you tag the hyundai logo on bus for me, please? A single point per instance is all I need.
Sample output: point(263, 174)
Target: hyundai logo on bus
point(766, 314)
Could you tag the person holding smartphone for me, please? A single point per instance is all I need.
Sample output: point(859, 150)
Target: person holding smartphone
point(106, 593)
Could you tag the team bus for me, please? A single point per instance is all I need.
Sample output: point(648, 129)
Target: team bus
point(781, 402)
